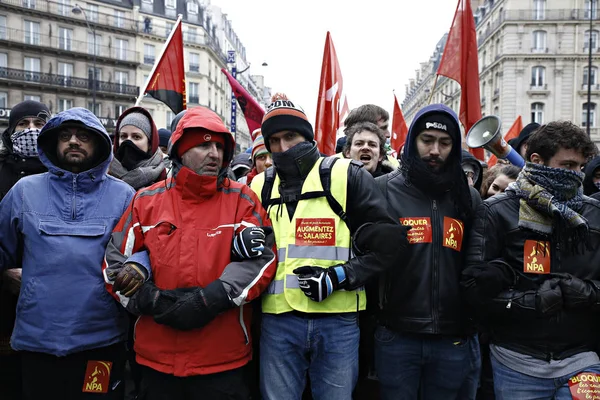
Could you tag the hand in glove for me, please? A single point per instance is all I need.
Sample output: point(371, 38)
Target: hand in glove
point(318, 283)
point(129, 279)
point(489, 278)
point(578, 293)
point(547, 299)
point(196, 308)
point(250, 242)
point(380, 237)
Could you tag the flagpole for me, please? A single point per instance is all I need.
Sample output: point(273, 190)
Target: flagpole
point(162, 52)
point(433, 88)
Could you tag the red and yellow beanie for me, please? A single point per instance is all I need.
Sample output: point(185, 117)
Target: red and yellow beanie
point(258, 147)
point(194, 137)
point(283, 115)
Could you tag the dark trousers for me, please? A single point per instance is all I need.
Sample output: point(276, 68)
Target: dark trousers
point(228, 385)
point(49, 377)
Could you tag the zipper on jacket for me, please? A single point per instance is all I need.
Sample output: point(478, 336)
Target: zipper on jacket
point(243, 324)
point(73, 213)
point(436, 246)
point(557, 257)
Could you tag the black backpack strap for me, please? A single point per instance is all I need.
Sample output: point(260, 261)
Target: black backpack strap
point(265, 194)
point(325, 174)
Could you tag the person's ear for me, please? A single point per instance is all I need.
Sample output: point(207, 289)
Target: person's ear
point(536, 159)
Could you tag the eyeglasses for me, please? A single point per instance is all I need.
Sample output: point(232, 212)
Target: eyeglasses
point(81, 136)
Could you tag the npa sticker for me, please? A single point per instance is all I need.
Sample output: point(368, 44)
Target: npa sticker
point(585, 385)
point(420, 231)
point(536, 257)
point(315, 232)
point(454, 231)
point(97, 377)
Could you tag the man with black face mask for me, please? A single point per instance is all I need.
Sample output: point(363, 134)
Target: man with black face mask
point(138, 158)
point(422, 337)
point(321, 209)
point(19, 158)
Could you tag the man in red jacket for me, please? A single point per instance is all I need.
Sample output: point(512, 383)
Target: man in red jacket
point(194, 251)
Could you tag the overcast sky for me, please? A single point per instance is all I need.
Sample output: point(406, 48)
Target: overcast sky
point(379, 43)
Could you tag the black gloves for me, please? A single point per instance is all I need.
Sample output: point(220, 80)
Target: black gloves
point(380, 237)
point(487, 280)
point(129, 279)
point(578, 293)
point(318, 283)
point(250, 242)
point(547, 299)
point(194, 308)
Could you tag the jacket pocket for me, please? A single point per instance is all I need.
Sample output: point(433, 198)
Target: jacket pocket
point(58, 228)
point(26, 298)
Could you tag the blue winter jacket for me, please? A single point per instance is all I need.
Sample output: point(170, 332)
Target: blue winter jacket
point(56, 225)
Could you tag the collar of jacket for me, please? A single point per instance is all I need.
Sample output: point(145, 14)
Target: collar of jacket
point(85, 180)
point(193, 186)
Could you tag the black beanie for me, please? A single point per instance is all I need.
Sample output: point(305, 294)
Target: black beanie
point(440, 122)
point(284, 115)
point(27, 108)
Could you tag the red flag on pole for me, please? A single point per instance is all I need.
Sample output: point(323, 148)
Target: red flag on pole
point(166, 82)
point(512, 133)
point(253, 112)
point(399, 128)
point(459, 62)
point(328, 104)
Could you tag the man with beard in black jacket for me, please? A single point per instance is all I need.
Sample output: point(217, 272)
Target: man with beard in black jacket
point(423, 339)
point(533, 275)
point(19, 158)
point(320, 208)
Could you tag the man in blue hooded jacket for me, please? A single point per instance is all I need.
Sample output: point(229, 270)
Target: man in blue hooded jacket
point(423, 340)
point(56, 226)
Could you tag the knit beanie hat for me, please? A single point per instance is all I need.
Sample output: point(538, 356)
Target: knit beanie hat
point(27, 108)
point(440, 122)
point(193, 137)
point(258, 147)
point(138, 120)
point(163, 137)
point(283, 115)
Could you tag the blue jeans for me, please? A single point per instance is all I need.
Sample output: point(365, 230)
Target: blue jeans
point(512, 385)
point(326, 347)
point(439, 365)
point(468, 390)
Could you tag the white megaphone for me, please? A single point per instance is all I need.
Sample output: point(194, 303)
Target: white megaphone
point(487, 133)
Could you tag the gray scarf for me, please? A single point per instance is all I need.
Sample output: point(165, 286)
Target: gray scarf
point(144, 174)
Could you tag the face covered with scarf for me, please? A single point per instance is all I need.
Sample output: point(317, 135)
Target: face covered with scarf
point(24, 138)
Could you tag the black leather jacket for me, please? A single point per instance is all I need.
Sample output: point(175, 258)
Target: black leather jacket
point(422, 293)
point(496, 235)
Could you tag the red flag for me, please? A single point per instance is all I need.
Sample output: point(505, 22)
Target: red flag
point(399, 128)
point(512, 133)
point(167, 80)
point(459, 62)
point(328, 104)
point(251, 109)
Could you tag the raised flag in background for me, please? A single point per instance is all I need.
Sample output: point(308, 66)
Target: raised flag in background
point(329, 101)
point(459, 62)
point(167, 80)
point(253, 112)
point(512, 133)
point(399, 128)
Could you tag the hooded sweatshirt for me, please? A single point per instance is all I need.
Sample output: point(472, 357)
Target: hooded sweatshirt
point(146, 172)
point(588, 183)
point(470, 158)
point(56, 226)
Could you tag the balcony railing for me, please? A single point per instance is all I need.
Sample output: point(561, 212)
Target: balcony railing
point(66, 81)
point(77, 46)
point(194, 99)
point(148, 60)
point(532, 15)
point(194, 67)
point(539, 87)
point(124, 22)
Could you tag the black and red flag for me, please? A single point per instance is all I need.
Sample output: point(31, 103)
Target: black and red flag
point(253, 112)
point(167, 80)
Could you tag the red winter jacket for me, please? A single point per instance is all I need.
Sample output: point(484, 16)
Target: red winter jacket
point(187, 224)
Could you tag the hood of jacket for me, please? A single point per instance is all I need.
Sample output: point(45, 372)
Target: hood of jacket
point(410, 150)
point(588, 184)
point(201, 117)
point(48, 140)
point(470, 158)
point(154, 141)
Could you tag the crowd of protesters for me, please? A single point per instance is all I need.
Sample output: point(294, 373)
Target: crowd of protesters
point(156, 264)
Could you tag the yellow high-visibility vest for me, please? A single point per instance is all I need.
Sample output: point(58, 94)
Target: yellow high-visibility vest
point(315, 236)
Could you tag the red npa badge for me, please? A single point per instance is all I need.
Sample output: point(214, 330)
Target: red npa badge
point(420, 231)
point(536, 257)
point(315, 232)
point(585, 386)
point(454, 231)
point(97, 377)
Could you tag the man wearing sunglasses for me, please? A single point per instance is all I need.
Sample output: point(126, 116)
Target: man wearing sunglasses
point(56, 225)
